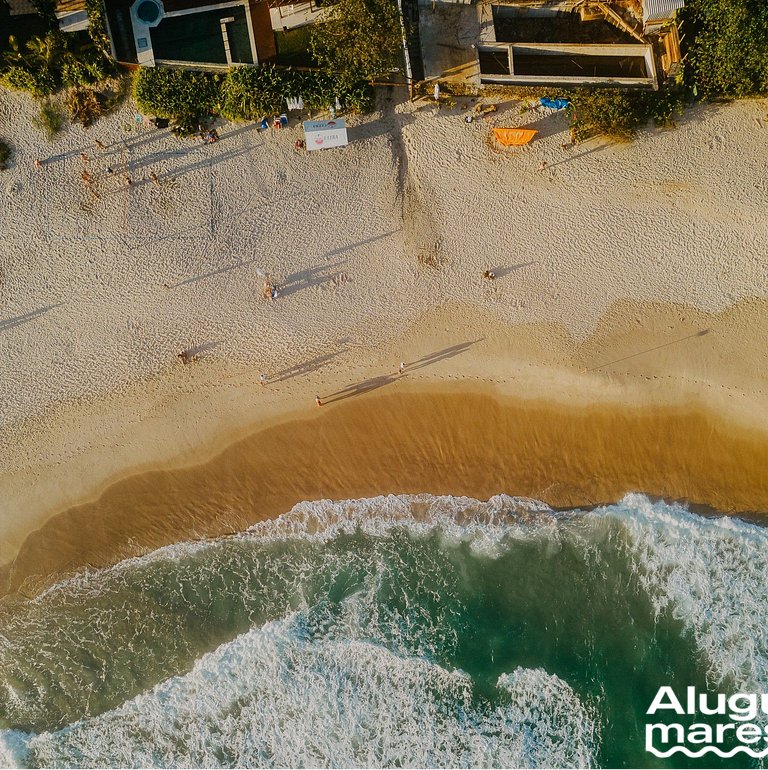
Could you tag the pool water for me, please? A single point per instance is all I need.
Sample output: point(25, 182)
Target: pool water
point(148, 11)
point(196, 37)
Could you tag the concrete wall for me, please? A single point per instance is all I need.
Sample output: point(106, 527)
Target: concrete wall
point(614, 50)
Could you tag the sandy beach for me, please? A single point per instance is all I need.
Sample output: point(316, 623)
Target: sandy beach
point(620, 348)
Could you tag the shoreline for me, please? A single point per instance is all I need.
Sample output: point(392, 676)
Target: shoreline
point(621, 283)
point(569, 438)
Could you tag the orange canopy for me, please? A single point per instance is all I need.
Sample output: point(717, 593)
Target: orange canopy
point(517, 136)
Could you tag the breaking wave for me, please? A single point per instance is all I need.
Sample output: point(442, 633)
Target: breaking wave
point(399, 630)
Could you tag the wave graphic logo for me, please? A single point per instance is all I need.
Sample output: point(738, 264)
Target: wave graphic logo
point(743, 719)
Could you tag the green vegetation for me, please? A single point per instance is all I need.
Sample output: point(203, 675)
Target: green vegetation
point(251, 92)
point(244, 93)
point(726, 57)
point(45, 65)
point(51, 117)
point(172, 93)
point(618, 113)
point(727, 53)
point(293, 47)
point(357, 42)
point(358, 39)
point(5, 154)
point(97, 27)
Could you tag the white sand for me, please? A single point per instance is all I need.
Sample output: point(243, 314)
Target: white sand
point(89, 382)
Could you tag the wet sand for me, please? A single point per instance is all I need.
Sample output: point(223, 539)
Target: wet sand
point(441, 441)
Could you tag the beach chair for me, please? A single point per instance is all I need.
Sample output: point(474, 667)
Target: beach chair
point(283, 120)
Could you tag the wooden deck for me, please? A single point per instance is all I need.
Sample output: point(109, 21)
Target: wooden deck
point(264, 37)
point(69, 6)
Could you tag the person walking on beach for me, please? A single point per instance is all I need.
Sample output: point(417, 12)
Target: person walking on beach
point(401, 368)
point(84, 157)
point(38, 164)
point(183, 356)
point(100, 146)
point(86, 177)
point(155, 178)
point(318, 401)
point(262, 379)
point(543, 166)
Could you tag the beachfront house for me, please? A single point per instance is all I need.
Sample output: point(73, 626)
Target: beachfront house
point(569, 43)
point(190, 33)
point(208, 35)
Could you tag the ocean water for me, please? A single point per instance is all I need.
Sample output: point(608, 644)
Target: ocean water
point(395, 631)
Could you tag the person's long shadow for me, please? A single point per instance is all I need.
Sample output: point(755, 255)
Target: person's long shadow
point(9, 323)
point(500, 272)
point(312, 276)
point(374, 383)
point(442, 355)
point(306, 367)
point(173, 174)
point(204, 347)
point(202, 277)
point(359, 388)
point(702, 333)
point(358, 244)
point(571, 158)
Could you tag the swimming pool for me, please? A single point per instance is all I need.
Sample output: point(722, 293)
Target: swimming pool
point(197, 37)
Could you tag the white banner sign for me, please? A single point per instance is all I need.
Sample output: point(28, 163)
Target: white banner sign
point(321, 134)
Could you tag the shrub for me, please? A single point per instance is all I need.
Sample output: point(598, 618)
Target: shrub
point(97, 27)
point(605, 111)
point(85, 106)
point(5, 154)
point(50, 119)
point(244, 93)
point(251, 92)
point(358, 39)
point(618, 114)
point(47, 64)
point(177, 94)
point(21, 79)
point(727, 52)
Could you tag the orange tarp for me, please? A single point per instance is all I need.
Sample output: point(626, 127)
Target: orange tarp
point(508, 136)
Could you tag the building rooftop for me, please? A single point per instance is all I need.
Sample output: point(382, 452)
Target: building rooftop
point(660, 10)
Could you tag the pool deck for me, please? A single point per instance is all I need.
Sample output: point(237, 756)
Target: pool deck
point(263, 48)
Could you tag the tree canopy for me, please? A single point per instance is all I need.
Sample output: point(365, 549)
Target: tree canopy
point(727, 46)
point(358, 39)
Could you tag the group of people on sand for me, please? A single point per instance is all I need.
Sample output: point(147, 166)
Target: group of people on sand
point(88, 176)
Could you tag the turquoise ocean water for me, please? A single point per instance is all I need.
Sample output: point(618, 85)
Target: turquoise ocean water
point(395, 631)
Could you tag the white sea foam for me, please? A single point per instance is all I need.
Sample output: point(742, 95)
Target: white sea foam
point(340, 691)
point(13, 748)
point(711, 573)
point(484, 523)
point(273, 697)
